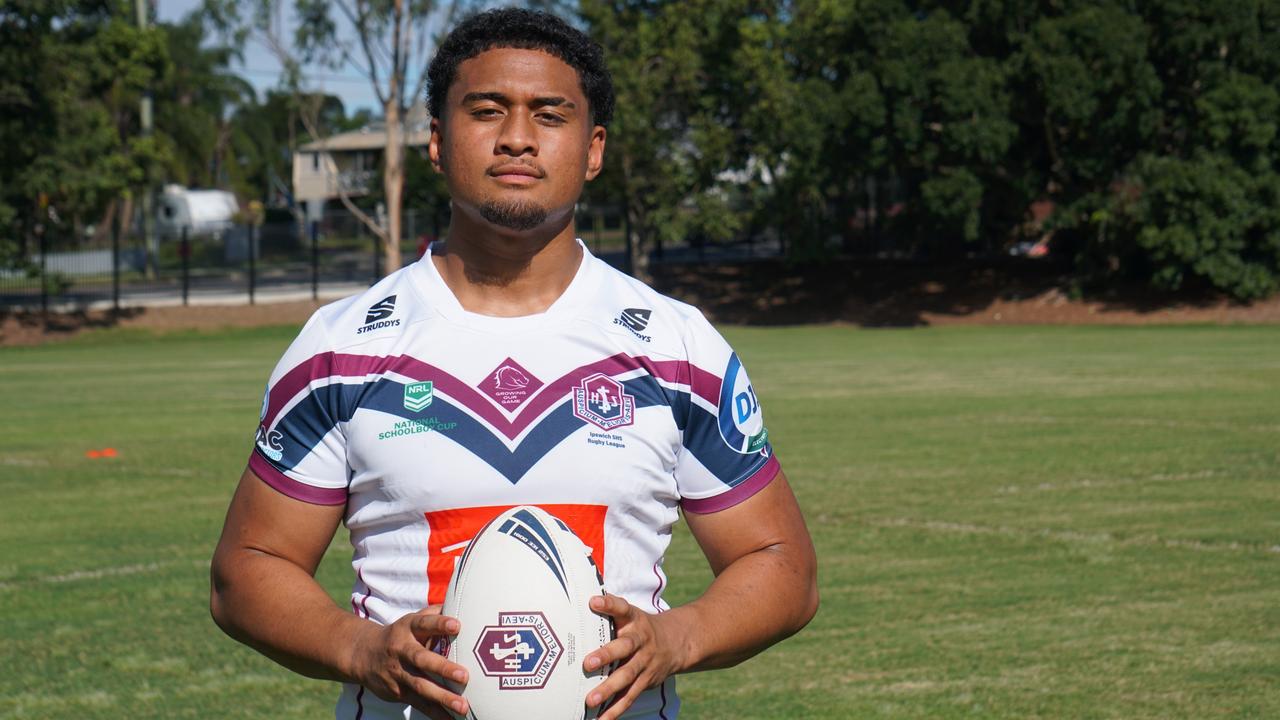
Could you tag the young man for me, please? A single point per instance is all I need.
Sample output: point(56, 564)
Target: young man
point(508, 367)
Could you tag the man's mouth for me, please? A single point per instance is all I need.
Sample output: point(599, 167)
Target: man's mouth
point(516, 173)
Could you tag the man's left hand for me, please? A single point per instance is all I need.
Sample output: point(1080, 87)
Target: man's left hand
point(648, 649)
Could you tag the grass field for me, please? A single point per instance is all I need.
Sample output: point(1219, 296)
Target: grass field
point(1011, 522)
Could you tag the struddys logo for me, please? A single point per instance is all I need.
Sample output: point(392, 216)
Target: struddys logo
point(603, 402)
point(268, 442)
point(635, 320)
point(521, 650)
point(741, 422)
point(379, 315)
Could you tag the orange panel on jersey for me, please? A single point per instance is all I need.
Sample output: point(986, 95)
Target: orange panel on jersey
point(451, 530)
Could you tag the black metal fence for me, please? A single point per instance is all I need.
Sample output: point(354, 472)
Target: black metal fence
point(239, 263)
point(283, 256)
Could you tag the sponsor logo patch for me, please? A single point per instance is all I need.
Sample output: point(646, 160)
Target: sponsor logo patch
point(521, 650)
point(268, 442)
point(603, 402)
point(510, 384)
point(379, 315)
point(635, 320)
point(741, 422)
point(417, 396)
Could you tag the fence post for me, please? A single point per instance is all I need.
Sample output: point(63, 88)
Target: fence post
point(315, 261)
point(185, 249)
point(377, 258)
point(44, 271)
point(115, 264)
point(253, 267)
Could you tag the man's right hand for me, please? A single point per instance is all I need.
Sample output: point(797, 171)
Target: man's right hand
point(264, 594)
point(394, 663)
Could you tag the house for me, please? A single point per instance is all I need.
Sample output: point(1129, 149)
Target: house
point(357, 157)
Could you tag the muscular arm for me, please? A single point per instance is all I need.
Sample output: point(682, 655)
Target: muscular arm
point(766, 585)
point(765, 589)
point(265, 595)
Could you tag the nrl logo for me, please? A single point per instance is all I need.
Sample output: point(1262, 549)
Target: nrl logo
point(417, 396)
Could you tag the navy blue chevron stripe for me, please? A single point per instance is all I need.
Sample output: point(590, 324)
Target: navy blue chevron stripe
point(312, 418)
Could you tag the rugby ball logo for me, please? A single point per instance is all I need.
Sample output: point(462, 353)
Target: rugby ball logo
point(521, 592)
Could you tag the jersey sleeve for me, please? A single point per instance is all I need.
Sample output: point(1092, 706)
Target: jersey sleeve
point(725, 456)
point(300, 449)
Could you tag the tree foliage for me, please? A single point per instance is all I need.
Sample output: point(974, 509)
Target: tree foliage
point(932, 128)
point(913, 128)
point(386, 41)
point(71, 76)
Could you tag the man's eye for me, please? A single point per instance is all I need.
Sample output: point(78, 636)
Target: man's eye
point(551, 118)
point(485, 112)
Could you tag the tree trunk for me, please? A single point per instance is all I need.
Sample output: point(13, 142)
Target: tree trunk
point(102, 231)
point(393, 155)
point(636, 235)
point(126, 217)
point(393, 180)
point(634, 218)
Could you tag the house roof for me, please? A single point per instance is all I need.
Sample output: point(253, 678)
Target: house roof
point(366, 138)
point(373, 136)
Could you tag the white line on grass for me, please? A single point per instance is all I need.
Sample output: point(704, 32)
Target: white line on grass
point(1072, 536)
point(1107, 482)
point(77, 575)
point(1007, 419)
point(22, 462)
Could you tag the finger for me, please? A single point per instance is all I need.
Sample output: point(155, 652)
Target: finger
point(620, 705)
point(426, 693)
point(424, 627)
point(611, 652)
point(425, 661)
point(618, 680)
point(611, 605)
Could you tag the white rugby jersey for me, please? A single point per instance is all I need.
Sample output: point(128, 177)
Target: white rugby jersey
point(612, 410)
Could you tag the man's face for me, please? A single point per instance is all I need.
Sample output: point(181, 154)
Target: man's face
point(516, 143)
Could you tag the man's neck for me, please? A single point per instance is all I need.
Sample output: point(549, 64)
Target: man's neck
point(507, 274)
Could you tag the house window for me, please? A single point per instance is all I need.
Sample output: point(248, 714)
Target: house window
point(315, 162)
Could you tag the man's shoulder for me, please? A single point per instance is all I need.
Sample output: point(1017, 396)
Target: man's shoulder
point(388, 306)
point(649, 315)
point(623, 285)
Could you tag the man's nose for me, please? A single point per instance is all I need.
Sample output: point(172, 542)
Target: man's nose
point(518, 136)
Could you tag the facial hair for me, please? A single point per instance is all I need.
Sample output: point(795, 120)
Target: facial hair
point(518, 216)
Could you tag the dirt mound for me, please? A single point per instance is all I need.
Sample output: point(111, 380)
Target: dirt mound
point(32, 328)
point(883, 293)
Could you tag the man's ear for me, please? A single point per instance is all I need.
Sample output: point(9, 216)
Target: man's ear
point(595, 152)
point(433, 146)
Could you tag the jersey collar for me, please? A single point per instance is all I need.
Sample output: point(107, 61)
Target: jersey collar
point(438, 295)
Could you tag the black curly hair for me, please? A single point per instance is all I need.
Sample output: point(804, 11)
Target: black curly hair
point(525, 30)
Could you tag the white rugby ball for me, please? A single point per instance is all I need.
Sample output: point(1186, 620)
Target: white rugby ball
point(520, 592)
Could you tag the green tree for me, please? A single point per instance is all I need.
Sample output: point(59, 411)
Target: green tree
point(389, 42)
point(1188, 197)
point(264, 136)
point(195, 104)
point(677, 140)
point(71, 75)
